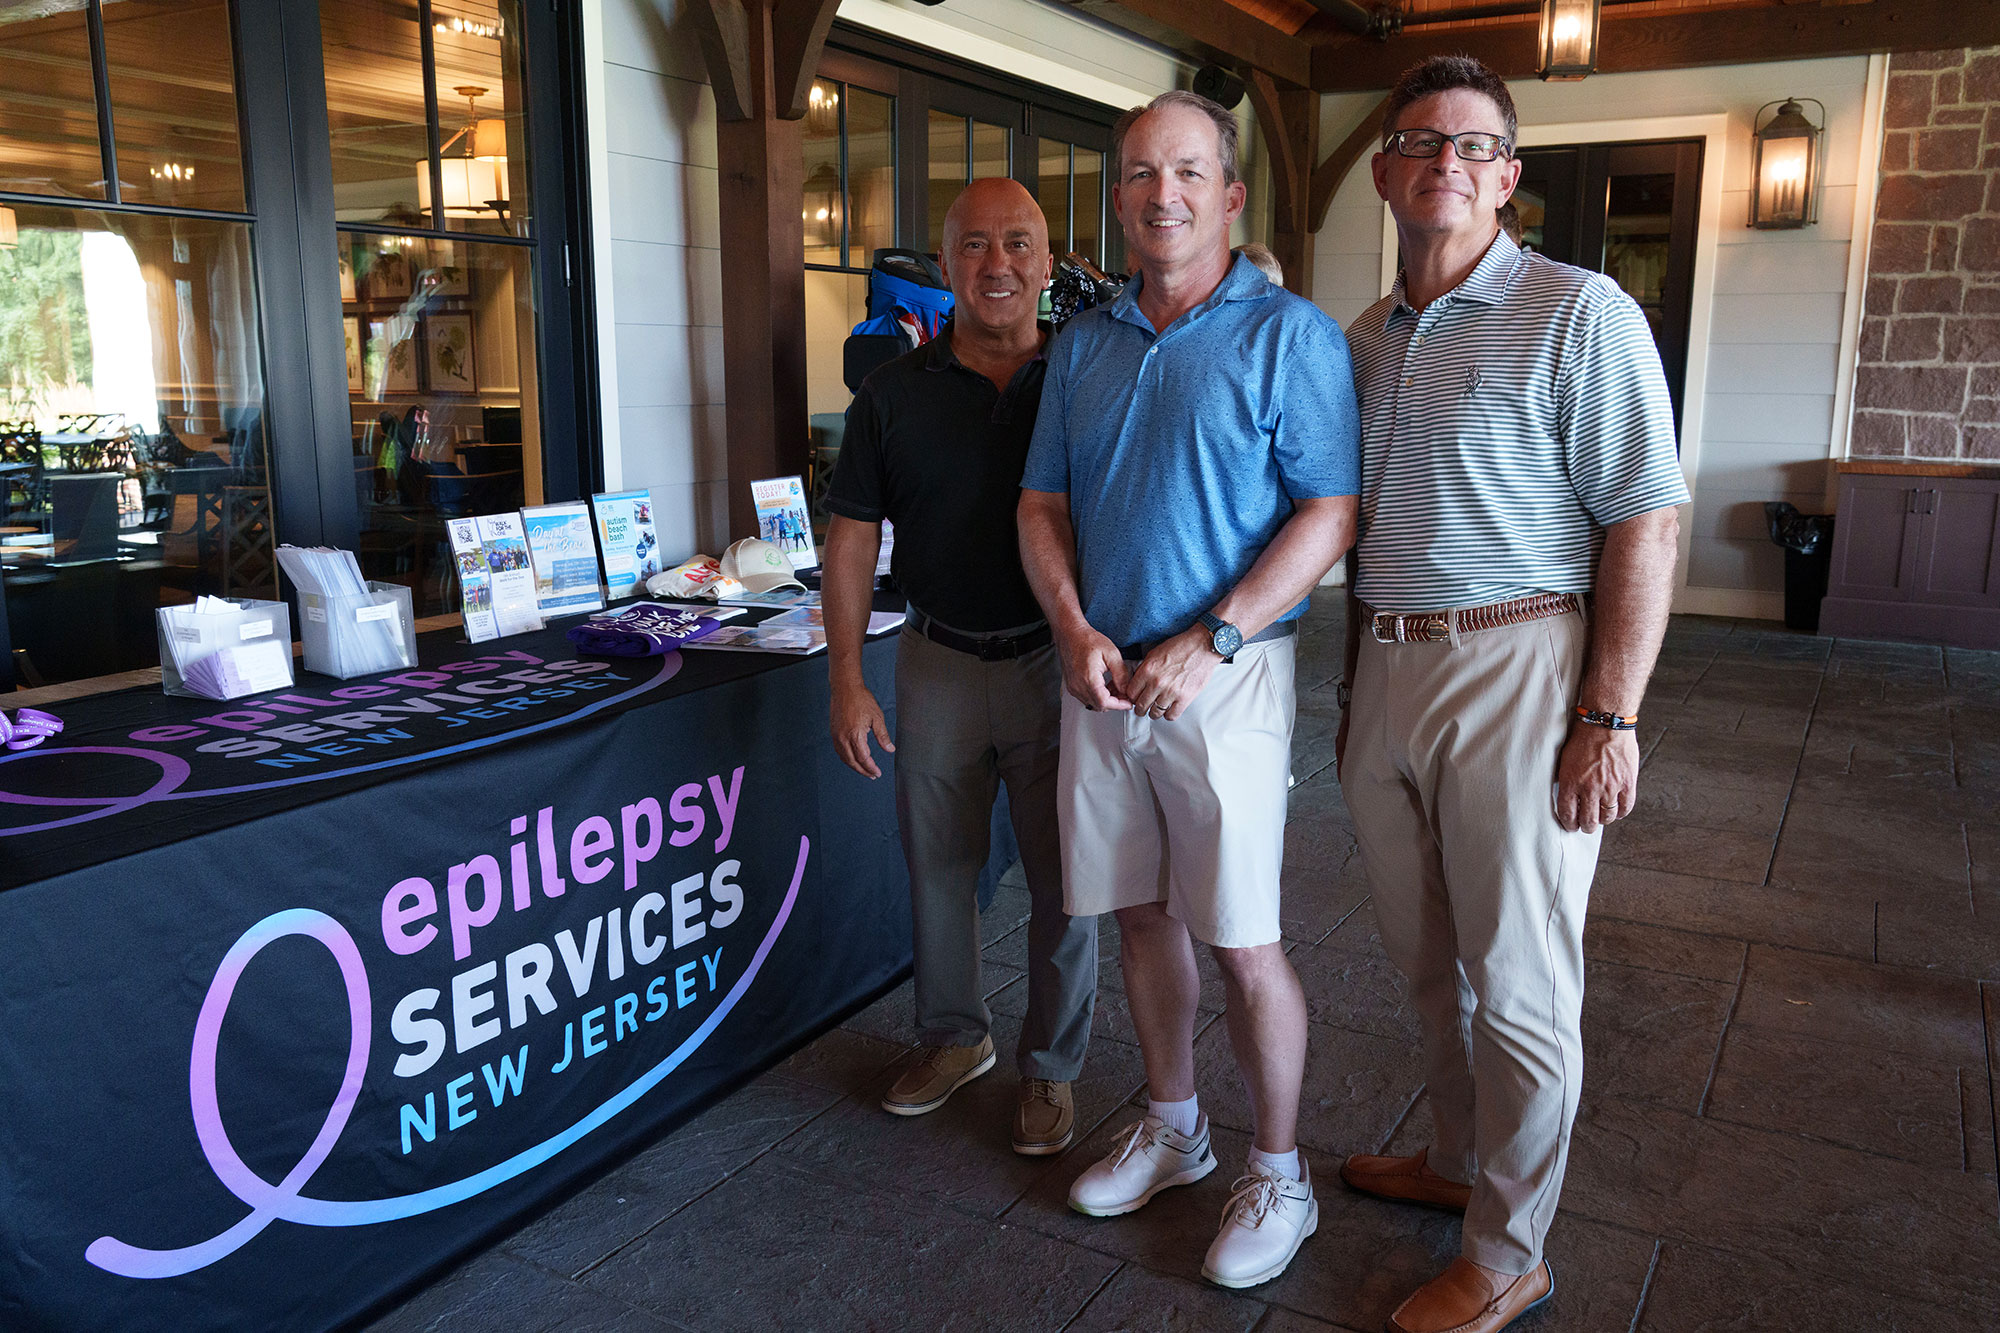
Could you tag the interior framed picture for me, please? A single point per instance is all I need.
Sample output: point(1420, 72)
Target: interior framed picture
point(447, 274)
point(389, 275)
point(347, 289)
point(357, 376)
point(448, 344)
point(392, 357)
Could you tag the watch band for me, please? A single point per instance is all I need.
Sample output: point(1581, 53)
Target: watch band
point(1610, 721)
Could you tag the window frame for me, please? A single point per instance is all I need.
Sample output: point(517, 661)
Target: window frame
point(922, 81)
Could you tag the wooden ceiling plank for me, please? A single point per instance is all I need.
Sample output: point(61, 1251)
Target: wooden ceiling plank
point(1685, 40)
point(1227, 30)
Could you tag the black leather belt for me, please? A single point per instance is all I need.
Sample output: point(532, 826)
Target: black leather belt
point(985, 647)
point(1136, 652)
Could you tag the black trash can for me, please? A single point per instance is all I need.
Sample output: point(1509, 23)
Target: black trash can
point(1808, 543)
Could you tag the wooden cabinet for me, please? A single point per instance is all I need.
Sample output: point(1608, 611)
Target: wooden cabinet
point(1916, 555)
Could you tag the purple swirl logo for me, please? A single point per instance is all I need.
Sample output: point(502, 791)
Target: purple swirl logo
point(285, 1200)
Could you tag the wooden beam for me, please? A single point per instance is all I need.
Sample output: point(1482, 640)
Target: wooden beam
point(1683, 40)
point(799, 33)
point(1328, 175)
point(1288, 118)
point(762, 55)
point(723, 29)
point(1210, 29)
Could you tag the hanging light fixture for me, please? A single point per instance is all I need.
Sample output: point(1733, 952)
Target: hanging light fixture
point(1784, 168)
point(1568, 47)
point(10, 231)
point(475, 177)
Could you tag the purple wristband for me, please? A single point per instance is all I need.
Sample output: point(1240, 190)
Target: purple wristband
point(30, 727)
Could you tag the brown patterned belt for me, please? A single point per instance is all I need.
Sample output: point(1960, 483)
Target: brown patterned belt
point(1433, 626)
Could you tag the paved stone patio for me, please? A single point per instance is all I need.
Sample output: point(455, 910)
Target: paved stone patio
point(1791, 1029)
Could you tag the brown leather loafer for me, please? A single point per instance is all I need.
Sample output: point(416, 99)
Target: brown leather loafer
point(1406, 1178)
point(939, 1072)
point(1045, 1118)
point(1466, 1298)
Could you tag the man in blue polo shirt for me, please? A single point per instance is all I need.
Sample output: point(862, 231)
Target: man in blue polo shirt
point(1192, 477)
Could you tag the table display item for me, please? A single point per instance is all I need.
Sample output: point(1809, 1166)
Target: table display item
point(475, 583)
point(223, 649)
point(793, 641)
point(628, 540)
point(782, 598)
point(29, 728)
point(644, 629)
point(352, 627)
point(564, 557)
point(510, 573)
point(759, 566)
point(359, 634)
point(697, 577)
point(783, 520)
point(814, 617)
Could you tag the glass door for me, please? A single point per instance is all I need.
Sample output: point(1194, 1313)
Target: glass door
point(1628, 210)
point(432, 191)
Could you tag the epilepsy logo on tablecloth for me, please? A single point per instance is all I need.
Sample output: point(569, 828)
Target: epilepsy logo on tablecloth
point(283, 740)
point(513, 971)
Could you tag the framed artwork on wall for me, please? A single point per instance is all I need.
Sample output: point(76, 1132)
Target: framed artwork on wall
point(357, 378)
point(392, 359)
point(448, 343)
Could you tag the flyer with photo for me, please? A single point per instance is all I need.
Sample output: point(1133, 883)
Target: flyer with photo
point(757, 639)
point(510, 573)
point(564, 556)
point(475, 584)
point(628, 539)
point(783, 520)
point(814, 617)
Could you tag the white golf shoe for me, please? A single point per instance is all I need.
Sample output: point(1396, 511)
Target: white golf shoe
point(1268, 1217)
point(1147, 1158)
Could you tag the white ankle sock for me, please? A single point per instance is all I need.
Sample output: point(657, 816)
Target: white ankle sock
point(1180, 1117)
point(1285, 1164)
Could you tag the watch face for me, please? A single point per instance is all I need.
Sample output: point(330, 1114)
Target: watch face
point(1227, 640)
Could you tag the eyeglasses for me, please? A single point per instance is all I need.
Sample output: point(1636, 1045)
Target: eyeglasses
point(1473, 146)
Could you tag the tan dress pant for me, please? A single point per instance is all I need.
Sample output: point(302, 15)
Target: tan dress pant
point(1480, 896)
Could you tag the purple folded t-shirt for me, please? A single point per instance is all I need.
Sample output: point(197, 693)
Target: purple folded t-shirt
point(641, 630)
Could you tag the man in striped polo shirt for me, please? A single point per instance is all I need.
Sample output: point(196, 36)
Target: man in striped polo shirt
point(1515, 565)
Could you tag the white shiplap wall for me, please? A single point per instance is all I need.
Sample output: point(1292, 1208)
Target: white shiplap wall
point(658, 266)
point(1780, 300)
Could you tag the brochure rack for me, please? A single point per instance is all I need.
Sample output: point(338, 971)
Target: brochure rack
point(360, 634)
point(207, 652)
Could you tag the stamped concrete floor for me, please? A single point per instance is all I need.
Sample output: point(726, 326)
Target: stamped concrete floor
point(1791, 1031)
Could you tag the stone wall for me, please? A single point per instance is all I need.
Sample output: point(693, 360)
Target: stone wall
point(1928, 377)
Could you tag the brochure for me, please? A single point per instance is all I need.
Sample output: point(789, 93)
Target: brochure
point(813, 617)
point(758, 639)
point(510, 573)
point(630, 543)
point(475, 584)
point(780, 597)
point(564, 558)
point(782, 519)
point(709, 609)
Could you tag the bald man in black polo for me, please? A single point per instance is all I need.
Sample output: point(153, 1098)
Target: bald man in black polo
point(935, 443)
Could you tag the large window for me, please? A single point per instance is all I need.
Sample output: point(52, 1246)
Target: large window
point(200, 201)
point(892, 134)
point(133, 461)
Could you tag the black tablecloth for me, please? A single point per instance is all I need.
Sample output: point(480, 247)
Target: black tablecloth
point(288, 1028)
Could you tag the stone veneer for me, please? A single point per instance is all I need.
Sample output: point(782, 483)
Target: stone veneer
point(1928, 377)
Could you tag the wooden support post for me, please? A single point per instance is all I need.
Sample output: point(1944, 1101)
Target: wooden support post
point(1289, 119)
point(761, 56)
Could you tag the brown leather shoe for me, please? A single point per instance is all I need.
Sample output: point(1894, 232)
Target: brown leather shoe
point(1409, 1179)
point(939, 1072)
point(1045, 1118)
point(1466, 1298)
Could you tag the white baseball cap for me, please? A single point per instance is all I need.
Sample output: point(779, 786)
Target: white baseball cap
point(758, 566)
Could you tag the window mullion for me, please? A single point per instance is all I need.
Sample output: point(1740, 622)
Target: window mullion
point(433, 131)
point(100, 76)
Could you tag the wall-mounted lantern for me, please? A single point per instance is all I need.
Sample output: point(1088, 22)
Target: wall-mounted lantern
point(1568, 49)
point(1784, 167)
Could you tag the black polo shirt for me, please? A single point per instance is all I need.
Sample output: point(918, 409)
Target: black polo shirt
point(934, 448)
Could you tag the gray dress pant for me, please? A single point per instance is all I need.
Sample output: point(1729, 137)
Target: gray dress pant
point(1480, 897)
point(963, 726)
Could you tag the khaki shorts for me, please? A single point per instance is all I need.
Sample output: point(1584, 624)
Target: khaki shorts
point(1189, 813)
